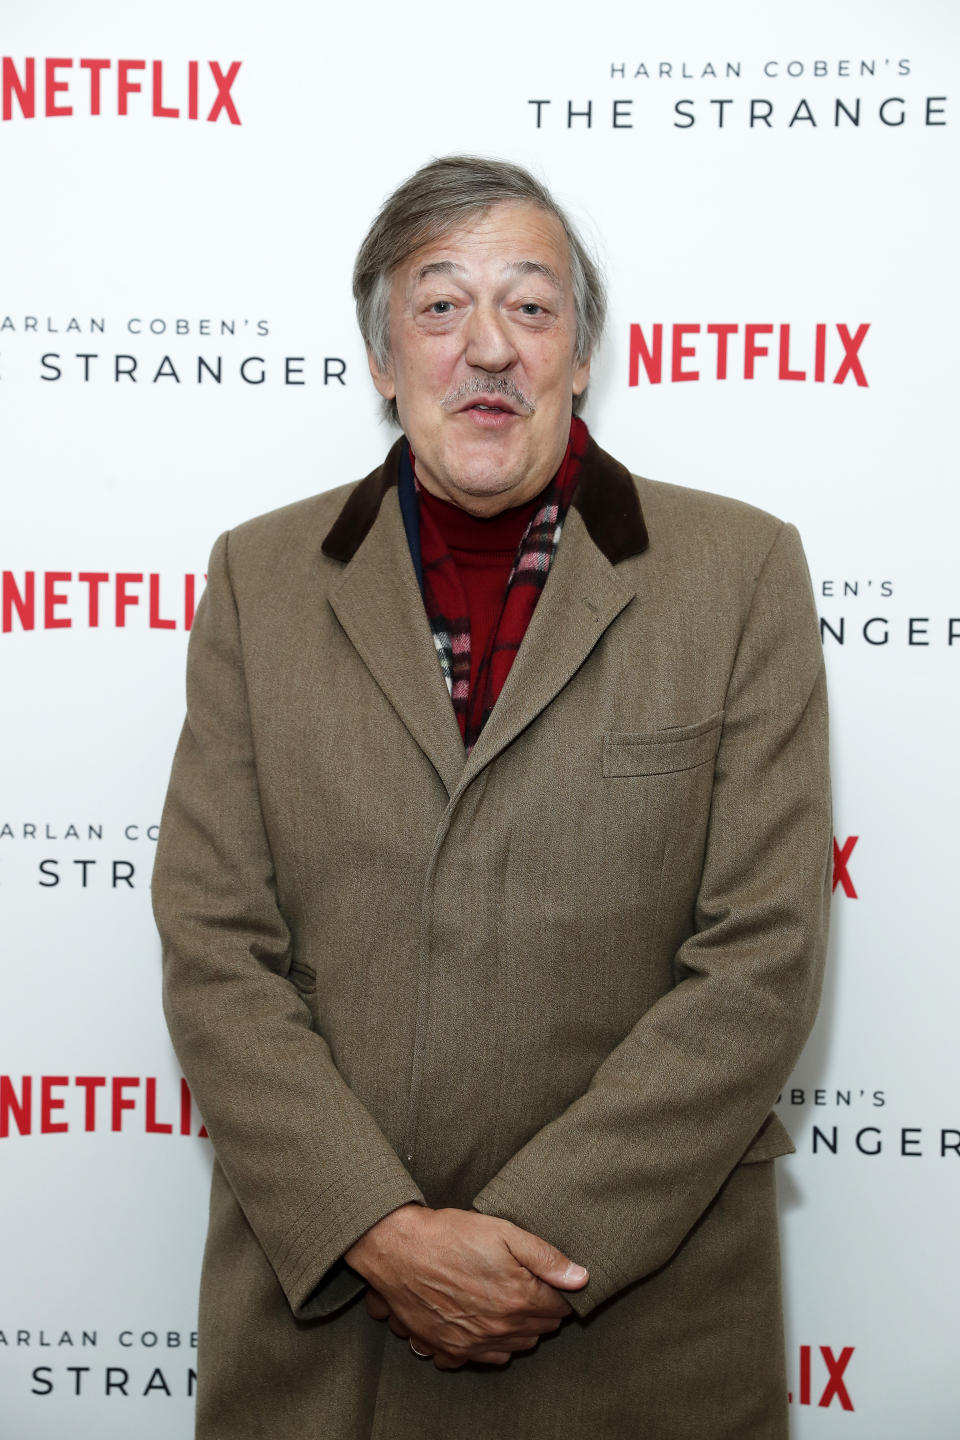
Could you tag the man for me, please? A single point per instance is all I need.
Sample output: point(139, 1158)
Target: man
point(493, 887)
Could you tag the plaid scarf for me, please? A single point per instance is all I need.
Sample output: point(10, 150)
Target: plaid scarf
point(446, 602)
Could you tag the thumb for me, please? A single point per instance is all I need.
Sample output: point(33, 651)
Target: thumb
point(546, 1261)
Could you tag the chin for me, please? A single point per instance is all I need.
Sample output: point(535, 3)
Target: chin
point(485, 482)
point(487, 468)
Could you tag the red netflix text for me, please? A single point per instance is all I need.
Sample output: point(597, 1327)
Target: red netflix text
point(56, 599)
point(61, 86)
point(58, 1104)
point(841, 864)
point(833, 1381)
point(717, 351)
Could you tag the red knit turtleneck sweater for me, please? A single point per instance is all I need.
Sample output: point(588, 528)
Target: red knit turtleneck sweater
point(483, 551)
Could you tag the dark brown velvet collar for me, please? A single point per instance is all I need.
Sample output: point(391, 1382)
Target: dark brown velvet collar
point(605, 496)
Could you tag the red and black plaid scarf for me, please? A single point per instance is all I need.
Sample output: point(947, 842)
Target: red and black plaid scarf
point(446, 602)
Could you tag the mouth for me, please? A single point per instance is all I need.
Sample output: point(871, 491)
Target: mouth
point(494, 405)
point(490, 415)
point(489, 403)
point(488, 406)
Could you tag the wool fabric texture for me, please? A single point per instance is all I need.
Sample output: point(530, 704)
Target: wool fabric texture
point(560, 981)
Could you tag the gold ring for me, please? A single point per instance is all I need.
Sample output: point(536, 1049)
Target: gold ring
point(423, 1354)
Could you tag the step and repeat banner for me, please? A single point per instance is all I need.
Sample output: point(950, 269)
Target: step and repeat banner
point(772, 192)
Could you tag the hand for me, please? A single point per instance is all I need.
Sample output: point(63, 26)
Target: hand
point(380, 1310)
point(464, 1286)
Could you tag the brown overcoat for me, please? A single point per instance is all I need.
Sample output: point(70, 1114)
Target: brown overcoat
point(562, 981)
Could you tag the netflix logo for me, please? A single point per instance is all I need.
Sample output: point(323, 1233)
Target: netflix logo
point(57, 1104)
point(841, 866)
point(822, 1377)
point(57, 599)
point(62, 87)
point(725, 350)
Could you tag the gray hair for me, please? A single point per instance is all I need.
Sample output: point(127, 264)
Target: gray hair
point(441, 197)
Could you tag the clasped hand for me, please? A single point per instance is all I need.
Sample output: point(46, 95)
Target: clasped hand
point(461, 1285)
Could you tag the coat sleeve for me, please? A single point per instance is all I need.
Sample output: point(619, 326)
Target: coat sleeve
point(620, 1177)
point(308, 1165)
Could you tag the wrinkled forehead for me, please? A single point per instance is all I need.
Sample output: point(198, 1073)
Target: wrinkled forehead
point(511, 239)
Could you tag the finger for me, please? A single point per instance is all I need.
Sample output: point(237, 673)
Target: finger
point(447, 1362)
point(398, 1327)
point(533, 1326)
point(522, 1340)
point(493, 1357)
point(510, 1344)
point(544, 1260)
point(376, 1305)
point(544, 1302)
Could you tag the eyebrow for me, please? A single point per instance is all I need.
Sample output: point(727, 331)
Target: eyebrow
point(519, 267)
point(437, 267)
point(537, 267)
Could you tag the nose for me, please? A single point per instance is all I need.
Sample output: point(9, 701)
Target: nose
point(489, 346)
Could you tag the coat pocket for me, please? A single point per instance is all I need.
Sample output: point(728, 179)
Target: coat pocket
point(661, 752)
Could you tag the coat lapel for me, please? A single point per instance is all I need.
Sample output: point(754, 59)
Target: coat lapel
point(583, 595)
point(378, 602)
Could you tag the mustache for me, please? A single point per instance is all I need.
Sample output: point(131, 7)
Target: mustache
point(489, 385)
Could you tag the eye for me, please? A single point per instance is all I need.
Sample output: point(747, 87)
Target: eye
point(530, 307)
point(441, 307)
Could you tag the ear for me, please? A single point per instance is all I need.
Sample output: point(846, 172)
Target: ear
point(580, 377)
point(382, 379)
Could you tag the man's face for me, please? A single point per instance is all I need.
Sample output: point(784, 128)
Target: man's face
point(482, 335)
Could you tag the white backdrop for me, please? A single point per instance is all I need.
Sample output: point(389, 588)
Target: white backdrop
point(160, 238)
